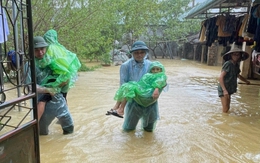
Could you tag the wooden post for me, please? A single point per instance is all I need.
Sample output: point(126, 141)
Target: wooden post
point(194, 51)
point(202, 54)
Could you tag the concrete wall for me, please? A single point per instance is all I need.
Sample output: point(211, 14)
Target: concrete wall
point(213, 54)
point(245, 66)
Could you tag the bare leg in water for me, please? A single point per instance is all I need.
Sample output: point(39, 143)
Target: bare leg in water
point(225, 101)
point(41, 108)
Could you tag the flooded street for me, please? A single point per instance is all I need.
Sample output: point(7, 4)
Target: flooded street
point(192, 128)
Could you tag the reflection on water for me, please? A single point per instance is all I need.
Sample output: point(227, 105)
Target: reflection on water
point(192, 127)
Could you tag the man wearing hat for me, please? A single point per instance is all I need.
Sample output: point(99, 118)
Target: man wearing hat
point(56, 106)
point(228, 78)
point(133, 70)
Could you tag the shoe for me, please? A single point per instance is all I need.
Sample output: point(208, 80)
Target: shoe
point(68, 130)
point(114, 112)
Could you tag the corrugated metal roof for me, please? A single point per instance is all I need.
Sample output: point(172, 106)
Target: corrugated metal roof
point(201, 10)
point(202, 7)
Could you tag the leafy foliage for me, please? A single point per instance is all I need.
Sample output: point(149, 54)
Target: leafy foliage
point(89, 27)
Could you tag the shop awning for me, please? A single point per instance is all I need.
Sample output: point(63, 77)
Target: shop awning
point(201, 10)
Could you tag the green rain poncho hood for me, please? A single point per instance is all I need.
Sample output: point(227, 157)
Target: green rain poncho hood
point(142, 90)
point(156, 64)
point(63, 62)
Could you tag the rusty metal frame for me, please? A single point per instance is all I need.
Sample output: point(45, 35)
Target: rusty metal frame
point(19, 138)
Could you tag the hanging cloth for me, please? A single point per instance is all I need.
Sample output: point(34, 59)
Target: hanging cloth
point(4, 30)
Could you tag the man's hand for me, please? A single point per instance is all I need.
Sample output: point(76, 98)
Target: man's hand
point(41, 89)
point(64, 83)
point(51, 91)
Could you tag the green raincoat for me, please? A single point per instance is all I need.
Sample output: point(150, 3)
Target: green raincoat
point(142, 90)
point(63, 62)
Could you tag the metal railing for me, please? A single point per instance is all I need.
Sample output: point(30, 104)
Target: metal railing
point(18, 104)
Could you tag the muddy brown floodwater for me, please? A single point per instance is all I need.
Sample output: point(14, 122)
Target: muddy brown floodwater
point(191, 129)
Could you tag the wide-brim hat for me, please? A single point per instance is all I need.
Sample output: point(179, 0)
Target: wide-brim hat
point(244, 54)
point(139, 45)
point(39, 42)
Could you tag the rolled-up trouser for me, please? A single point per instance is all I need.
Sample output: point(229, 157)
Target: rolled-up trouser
point(58, 108)
point(134, 112)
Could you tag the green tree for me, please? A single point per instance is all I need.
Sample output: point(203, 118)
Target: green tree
point(89, 27)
